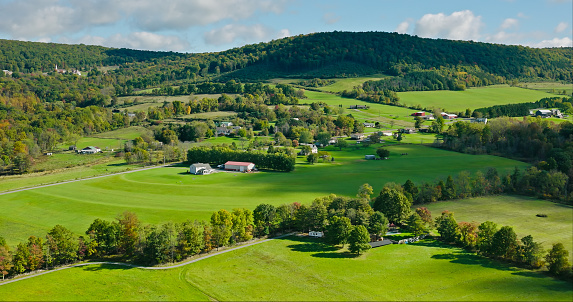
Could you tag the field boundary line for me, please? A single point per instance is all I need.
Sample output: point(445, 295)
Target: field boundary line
point(32, 275)
point(81, 179)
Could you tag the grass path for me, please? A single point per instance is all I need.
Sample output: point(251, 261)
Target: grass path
point(181, 264)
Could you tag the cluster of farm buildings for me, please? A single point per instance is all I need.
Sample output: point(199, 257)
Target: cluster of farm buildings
point(238, 166)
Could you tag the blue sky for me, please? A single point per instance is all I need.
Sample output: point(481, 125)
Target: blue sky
point(215, 25)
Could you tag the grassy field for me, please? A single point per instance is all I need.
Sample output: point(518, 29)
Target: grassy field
point(349, 83)
point(165, 194)
point(146, 101)
point(549, 87)
point(302, 269)
point(518, 212)
point(472, 98)
point(129, 133)
point(389, 116)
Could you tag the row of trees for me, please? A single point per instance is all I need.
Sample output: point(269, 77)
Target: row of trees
point(522, 109)
point(126, 238)
point(219, 155)
point(536, 140)
point(489, 240)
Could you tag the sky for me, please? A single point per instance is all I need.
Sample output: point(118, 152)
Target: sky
point(196, 26)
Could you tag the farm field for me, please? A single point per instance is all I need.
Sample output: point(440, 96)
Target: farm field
point(549, 87)
point(473, 98)
point(129, 133)
point(389, 116)
point(518, 212)
point(171, 194)
point(302, 269)
point(146, 101)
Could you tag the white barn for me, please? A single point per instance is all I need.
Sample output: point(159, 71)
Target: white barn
point(239, 166)
point(199, 169)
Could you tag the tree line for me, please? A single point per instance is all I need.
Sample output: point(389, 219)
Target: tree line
point(489, 240)
point(536, 140)
point(219, 155)
point(565, 105)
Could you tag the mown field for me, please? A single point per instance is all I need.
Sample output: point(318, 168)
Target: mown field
point(302, 269)
point(549, 87)
point(518, 212)
point(165, 194)
point(472, 98)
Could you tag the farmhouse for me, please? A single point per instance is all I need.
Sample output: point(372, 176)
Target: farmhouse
point(90, 150)
point(313, 149)
point(200, 169)
point(407, 130)
point(448, 116)
point(223, 131)
point(428, 117)
point(226, 124)
point(481, 120)
point(357, 136)
point(368, 125)
point(549, 113)
point(385, 133)
point(239, 166)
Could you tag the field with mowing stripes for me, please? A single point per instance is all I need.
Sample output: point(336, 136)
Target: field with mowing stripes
point(302, 269)
point(164, 194)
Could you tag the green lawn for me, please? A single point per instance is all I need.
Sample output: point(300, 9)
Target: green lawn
point(473, 98)
point(518, 212)
point(302, 269)
point(165, 194)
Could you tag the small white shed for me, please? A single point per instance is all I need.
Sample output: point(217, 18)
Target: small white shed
point(200, 168)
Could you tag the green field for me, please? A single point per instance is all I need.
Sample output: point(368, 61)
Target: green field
point(549, 87)
point(302, 269)
point(164, 194)
point(518, 212)
point(390, 116)
point(473, 98)
point(129, 133)
point(146, 101)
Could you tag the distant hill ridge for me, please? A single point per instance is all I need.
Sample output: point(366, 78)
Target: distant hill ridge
point(326, 54)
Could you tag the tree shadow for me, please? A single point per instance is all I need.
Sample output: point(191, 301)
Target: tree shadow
point(341, 255)
point(106, 266)
point(117, 165)
point(473, 259)
point(317, 247)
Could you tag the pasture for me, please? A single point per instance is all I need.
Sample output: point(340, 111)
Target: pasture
point(472, 98)
point(171, 194)
point(303, 269)
point(518, 212)
point(549, 87)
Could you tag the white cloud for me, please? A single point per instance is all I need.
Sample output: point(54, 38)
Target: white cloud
point(330, 18)
point(154, 15)
point(509, 23)
point(231, 32)
point(38, 18)
point(562, 26)
point(555, 42)
point(402, 27)
point(522, 15)
point(283, 33)
point(135, 40)
point(462, 25)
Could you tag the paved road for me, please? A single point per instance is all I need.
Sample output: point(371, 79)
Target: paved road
point(81, 179)
point(32, 275)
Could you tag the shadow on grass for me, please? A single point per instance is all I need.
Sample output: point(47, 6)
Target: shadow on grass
point(118, 165)
point(317, 247)
point(101, 267)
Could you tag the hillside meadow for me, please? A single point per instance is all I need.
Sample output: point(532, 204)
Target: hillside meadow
point(171, 194)
point(302, 269)
point(472, 98)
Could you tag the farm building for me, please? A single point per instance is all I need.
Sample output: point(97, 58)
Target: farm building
point(357, 136)
point(407, 130)
point(448, 116)
point(368, 125)
point(226, 124)
point(385, 133)
point(239, 166)
point(200, 169)
point(223, 131)
point(420, 113)
point(358, 107)
point(482, 120)
point(549, 113)
point(369, 156)
point(90, 150)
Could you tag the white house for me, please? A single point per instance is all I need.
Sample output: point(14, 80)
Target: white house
point(369, 125)
point(200, 169)
point(90, 150)
point(315, 234)
point(226, 124)
point(386, 133)
point(239, 166)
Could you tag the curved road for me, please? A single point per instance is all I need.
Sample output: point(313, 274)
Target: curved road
point(143, 267)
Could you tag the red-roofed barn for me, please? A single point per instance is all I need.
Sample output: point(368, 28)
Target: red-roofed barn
point(239, 166)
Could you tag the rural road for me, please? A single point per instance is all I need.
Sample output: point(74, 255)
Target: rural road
point(32, 275)
point(81, 179)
